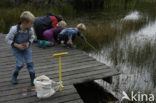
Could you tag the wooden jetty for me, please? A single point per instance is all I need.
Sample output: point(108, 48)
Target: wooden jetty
point(77, 67)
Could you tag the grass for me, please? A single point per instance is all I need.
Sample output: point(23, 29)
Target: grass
point(131, 25)
point(10, 16)
point(137, 56)
point(97, 36)
point(105, 34)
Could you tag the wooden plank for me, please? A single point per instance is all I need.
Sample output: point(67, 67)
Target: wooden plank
point(18, 91)
point(15, 99)
point(48, 56)
point(42, 58)
point(53, 70)
point(66, 91)
point(35, 56)
point(51, 51)
point(71, 70)
point(48, 61)
point(45, 67)
point(90, 77)
point(50, 100)
point(68, 79)
point(38, 55)
point(48, 64)
point(72, 73)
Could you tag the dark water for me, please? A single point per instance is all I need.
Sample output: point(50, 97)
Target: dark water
point(133, 53)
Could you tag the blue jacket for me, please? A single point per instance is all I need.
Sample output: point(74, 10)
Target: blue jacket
point(70, 33)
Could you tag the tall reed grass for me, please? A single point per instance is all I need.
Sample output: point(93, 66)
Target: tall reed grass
point(105, 34)
point(10, 16)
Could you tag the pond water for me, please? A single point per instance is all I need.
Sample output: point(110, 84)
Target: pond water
point(134, 52)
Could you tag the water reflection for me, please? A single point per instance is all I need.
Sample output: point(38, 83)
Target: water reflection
point(134, 56)
point(145, 35)
point(135, 15)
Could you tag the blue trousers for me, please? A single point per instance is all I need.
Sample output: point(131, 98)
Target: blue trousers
point(22, 55)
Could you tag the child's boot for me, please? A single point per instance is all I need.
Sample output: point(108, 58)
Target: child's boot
point(32, 77)
point(44, 44)
point(47, 43)
point(30, 67)
point(40, 43)
point(15, 74)
point(14, 78)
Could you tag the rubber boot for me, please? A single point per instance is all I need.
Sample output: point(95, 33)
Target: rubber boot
point(32, 77)
point(30, 67)
point(43, 44)
point(47, 43)
point(40, 43)
point(14, 78)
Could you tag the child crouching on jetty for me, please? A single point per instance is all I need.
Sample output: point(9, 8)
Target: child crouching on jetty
point(50, 35)
point(68, 35)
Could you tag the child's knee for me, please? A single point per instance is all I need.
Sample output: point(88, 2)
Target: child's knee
point(30, 67)
point(18, 67)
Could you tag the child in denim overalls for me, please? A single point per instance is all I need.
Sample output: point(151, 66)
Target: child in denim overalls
point(20, 37)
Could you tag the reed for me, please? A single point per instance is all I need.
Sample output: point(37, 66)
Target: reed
point(10, 16)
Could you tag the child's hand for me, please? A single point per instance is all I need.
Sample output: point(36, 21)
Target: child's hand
point(19, 46)
point(27, 45)
point(70, 42)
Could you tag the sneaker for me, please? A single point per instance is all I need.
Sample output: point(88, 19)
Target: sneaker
point(44, 44)
point(71, 46)
point(39, 43)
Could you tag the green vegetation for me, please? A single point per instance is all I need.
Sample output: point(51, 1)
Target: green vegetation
point(102, 35)
point(96, 35)
point(10, 10)
point(10, 16)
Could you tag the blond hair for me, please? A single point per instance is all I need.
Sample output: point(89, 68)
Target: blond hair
point(62, 23)
point(81, 26)
point(27, 16)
